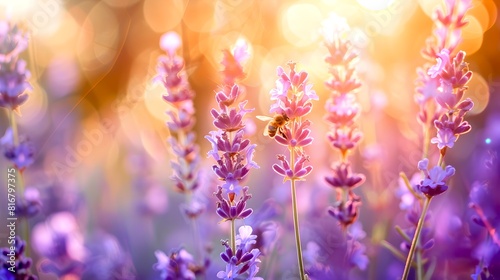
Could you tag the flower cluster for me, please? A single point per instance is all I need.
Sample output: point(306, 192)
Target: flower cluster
point(292, 98)
point(180, 97)
point(13, 73)
point(231, 151)
point(442, 87)
point(453, 75)
point(22, 154)
point(18, 150)
point(13, 264)
point(13, 86)
point(60, 242)
point(447, 28)
point(342, 112)
point(244, 259)
point(447, 36)
point(233, 154)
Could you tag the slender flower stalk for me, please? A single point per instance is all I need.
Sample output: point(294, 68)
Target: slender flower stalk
point(233, 154)
point(444, 85)
point(172, 75)
point(292, 102)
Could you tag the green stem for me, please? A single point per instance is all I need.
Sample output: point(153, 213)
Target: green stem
point(297, 232)
point(233, 237)
point(296, 220)
point(420, 271)
point(420, 225)
point(13, 125)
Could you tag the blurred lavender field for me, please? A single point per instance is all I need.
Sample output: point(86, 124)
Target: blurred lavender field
point(133, 145)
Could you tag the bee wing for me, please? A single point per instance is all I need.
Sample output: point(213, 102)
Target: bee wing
point(264, 118)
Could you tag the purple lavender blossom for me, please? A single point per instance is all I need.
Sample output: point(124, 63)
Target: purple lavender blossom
point(435, 179)
point(12, 41)
point(13, 73)
point(60, 241)
point(178, 265)
point(14, 84)
point(233, 154)
point(244, 260)
point(292, 94)
point(447, 28)
point(30, 204)
point(344, 178)
point(342, 110)
point(231, 209)
point(179, 94)
point(107, 260)
point(21, 155)
point(13, 264)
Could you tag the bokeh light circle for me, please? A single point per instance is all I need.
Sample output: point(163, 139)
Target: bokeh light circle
point(162, 16)
point(472, 36)
point(301, 23)
point(478, 92)
point(375, 5)
point(98, 46)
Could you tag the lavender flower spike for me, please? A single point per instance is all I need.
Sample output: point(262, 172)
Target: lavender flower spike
point(13, 72)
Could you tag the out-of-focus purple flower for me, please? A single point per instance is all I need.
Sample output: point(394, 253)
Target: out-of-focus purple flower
point(30, 205)
point(407, 198)
point(178, 265)
point(153, 200)
point(195, 207)
point(230, 210)
point(346, 213)
point(344, 178)
point(61, 243)
point(264, 226)
point(107, 260)
point(435, 179)
point(356, 250)
point(22, 155)
point(233, 62)
point(482, 273)
point(13, 264)
point(447, 30)
point(14, 84)
point(342, 109)
point(12, 41)
point(344, 139)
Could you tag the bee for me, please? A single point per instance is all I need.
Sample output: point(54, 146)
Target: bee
point(275, 124)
